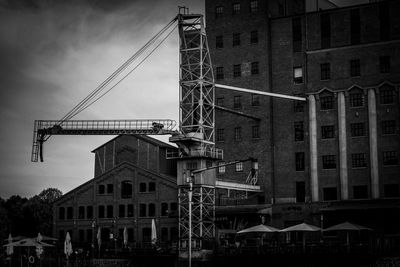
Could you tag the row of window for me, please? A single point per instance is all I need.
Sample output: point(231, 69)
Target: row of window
point(124, 211)
point(237, 70)
point(236, 9)
point(86, 235)
point(237, 101)
point(361, 192)
point(255, 133)
point(126, 188)
point(358, 160)
point(236, 39)
point(222, 169)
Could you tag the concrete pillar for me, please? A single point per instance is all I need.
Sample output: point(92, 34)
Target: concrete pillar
point(373, 143)
point(344, 183)
point(313, 148)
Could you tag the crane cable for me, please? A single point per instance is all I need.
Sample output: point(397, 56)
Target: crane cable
point(83, 104)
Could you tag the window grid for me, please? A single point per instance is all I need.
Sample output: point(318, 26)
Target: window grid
point(389, 127)
point(221, 169)
point(325, 71)
point(239, 167)
point(220, 73)
point(238, 133)
point(357, 129)
point(253, 37)
point(236, 8)
point(298, 131)
point(354, 68)
point(255, 100)
point(299, 157)
point(237, 102)
point(237, 70)
point(356, 100)
point(326, 102)
point(390, 158)
point(255, 131)
point(219, 41)
point(298, 106)
point(236, 39)
point(384, 64)
point(254, 68)
point(358, 160)
point(220, 101)
point(329, 162)
point(328, 132)
point(387, 96)
point(219, 11)
point(253, 6)
point(220, 135)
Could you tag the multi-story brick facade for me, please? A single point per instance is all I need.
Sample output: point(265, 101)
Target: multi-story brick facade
point(341, 147)
point(133, 184)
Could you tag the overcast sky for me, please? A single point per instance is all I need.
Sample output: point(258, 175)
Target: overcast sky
point(52, 54)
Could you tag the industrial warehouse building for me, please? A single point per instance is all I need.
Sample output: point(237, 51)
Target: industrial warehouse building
point(330, 159)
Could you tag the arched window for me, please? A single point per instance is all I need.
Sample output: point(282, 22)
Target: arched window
point(146, 234)
point(152, 186)
point(126, 189)
point(101, 211)
point(152, 210)
point(164, 209)
point(61, 213)
point(142, 187)
point(101, 189)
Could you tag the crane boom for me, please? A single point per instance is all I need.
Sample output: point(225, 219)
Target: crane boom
point(43, 129)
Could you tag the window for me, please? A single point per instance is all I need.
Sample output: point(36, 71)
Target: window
point(237, 70)
point(220, 101)
point(129, 212)
point(254, 68)
point(253, 37)
point(110, 211)
point(70, 213)
point(174, 233)
point(389, 127)
point(384, 64)
point(142, 187)
point(142, 210)
point(239, 167)
point(296, 34)
point(81, 234)
point(387, 96)
point(89, 235)
point(146, 233)
point(330, 193)
point(220, 135)
point(298, 75)
point(356, 100)
point(221, 169)
point(101, 189)
point(298, 106)
point(384, 21)
point(253, 6)
point(219, 41)
point(300, 192)
point(164, 234)
point(121, 211)
point(255, 99)
point(61, 213)
point(173, 207)
point(329, 162)
point(299, 161)
point(89, 212)
point(110, 188)
point(101, 211)
point(325, 30)
point(328, 132)
point(357, 129)
point(325, 71)
point(61, 234)
point(81, 212)
point(126, 189)
point(191, 165)
point(298, 131)
point(255, 131)
point(326, 102)
point(238, 133)
point(219, 11)
point(164, 209)
point(358, 160)
point(354, 68)
point(391, 190)
point(130, 234)
point(236, 8)
point(360, 192)
point(220, 73)
point(355, 26)
point(152, 210)
point(390, 158)
point(236, 39)
point(152, 186)
point(237, 102)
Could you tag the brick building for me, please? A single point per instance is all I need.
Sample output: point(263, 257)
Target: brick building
point(336, 156)
point(133, 184)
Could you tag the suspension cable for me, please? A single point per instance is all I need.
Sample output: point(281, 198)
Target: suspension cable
point(83, 104)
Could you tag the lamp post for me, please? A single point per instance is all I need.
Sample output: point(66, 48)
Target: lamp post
point(190, 195)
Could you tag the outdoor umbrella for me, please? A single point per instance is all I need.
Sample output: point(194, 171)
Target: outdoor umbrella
point(16, 238)
point(28, 242)
point(125, 236)
point(261, 228)
point(302, 227)
point(153, 232)
point(99, 238)
point(48, 238)
point(67, 245)
point(347, 226)
point(10, 248)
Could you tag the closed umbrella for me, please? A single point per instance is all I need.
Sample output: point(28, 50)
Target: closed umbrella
point(67, 245)
point(153, 232)
point(125, 237)
point(99, 238)
point(10, 248)
point(39, 247)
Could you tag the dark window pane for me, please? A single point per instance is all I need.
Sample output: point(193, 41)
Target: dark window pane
point(219, 41)
point(70, 213)
point(152, 210)
point(354, 68)
point(61, 213)
point(219, 11)
point(220, 73)
point(110, 211)
point(152, 186)
point(299, 161)
point(236, 8)
point(326, 102)
point(237, 102)
point(164, 209)
point(220, 135)
point(254, 68)
point(355, 26)
point(357, 129)
point(387, 96)
point(101, 211)
point(329, 162)
point(238, 133)
point(300, 192)
point(390, 158)
point(298, 131)
point(253, 6)
point(121, 211)
point(384, 21)
point(164, 234)
point(325, 71)
point(101, 189)
point(389, 127)
point(325, 30)
point(255, 131)
point(89, 212)
point(142, 210)
point(360, 192)
point(126, 189)
point(327, 131)
point(356, 100)
point(110, 188)
point(81, 212)
point(255, 100)
point(146, 232)
point(358, 160)
point(235, 39)
point(384, 64)
point(237, 70)
point(130, 210)
point(391, 190)
point(330, 193)
point(142, 187)
point(296, 34)
point(220, 101)
point(254, 37)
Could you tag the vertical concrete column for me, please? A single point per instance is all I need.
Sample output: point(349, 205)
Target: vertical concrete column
point(344, 184)
point(312, 118)
point(373, 143)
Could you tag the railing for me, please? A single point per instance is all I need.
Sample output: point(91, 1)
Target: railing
point(215, 153)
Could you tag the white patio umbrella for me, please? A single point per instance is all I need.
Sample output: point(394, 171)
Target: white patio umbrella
point(261, 228)
point(302, 227)
point(347, 226)
point(67, 245)
point(153, 232)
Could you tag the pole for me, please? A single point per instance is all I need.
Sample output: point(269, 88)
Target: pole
point(190, 220)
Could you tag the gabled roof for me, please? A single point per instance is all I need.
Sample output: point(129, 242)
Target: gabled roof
point(166, 178)
point(146, 138)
